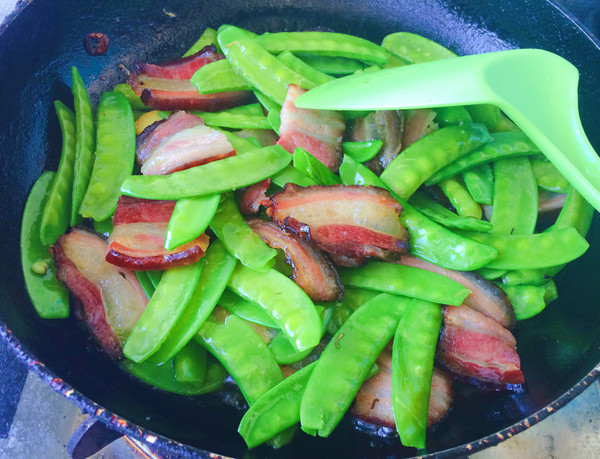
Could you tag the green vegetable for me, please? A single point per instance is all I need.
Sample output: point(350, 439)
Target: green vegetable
point(331, 65)
point(245, 309)
point(452, 116)
point(189, 364)
point(302, 68)
point(548, 177)
point(460, 198)
point(115, 155)
point(415, 49)
point(191, 216)
point(134, 100)
point(208, 37)
point(480, 183)
point(308, 165)
point(362, 151)
point(56, 215)
point(49, 297)
point(219, 76)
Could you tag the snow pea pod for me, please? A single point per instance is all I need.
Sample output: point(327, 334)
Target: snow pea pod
point(191, 216)
point(57, 208)
point(255, 64)
point(527, 300)
point(452, 116)
point(445, 217)
point(163, 377)
point(291, 175)
point(362, 151)
point(353, 299)
point(460, 198)
point(331, 65)
point(415, 49)
point(301, 67)
point(208, 37)
point(406, 281)
point(276, 410)
point(308, 165)
point(189, 364)
point(243, 353)
point(347, 360)
point(219, 76)
point(287, 304)
point(233, 120)
point(162, 311)
point(115, 155)
point(245, 309)
point(154, 277)
point(48, 296)
point(218, 266)
point(239, 239)
point(413, 352)
point(134, 100)
point(491, 116)
point(480, 183)
point(145, 283)
point(502, 145)
point(548, 177)
point(216, 177)
point(530, 251)
point(85, 141)
point(324, 43)
point(515, 197)
point(423, 158)
point(429, 241)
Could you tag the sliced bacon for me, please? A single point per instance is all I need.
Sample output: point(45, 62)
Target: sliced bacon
point(349, 222)
point(374, 399)
point(255, 196)
point(485, 296)
point(418, 124)
point(167, 87)
point(311, 269)
point(109, 299)
point(137, 240)
point(317, 131)
point(180, 142)
point(479, 349)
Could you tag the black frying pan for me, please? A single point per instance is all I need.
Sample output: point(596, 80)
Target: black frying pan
point(558, 349)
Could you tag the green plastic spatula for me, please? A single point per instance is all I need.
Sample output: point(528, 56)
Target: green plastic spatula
point(535, 88)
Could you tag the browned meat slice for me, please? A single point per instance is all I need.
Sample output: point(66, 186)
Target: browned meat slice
point(138, 237)
point(479, 349)
point(167, 87)
point(349, 222)
point(311, 269)
point(319, 132)
point(417, 125)
point(255, 196)
point(109, 298)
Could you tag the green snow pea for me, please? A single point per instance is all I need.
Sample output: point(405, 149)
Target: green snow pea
point(480, 183)
point(239, 239)
point(331, 65)
point(277, 410)
point(362, 151)
point(145, 282)
point(530, 251)
point(154, 277)
point(415, 49)
point(413, 352)
point(287, 304)
point(527, 300)
point(208, 37)
point(291, 175)
point(502, 145)
point(219, 76)
point(515, 207)
point(273, 109)
point(243, 353)
point(240, 145)
point(548, 177)
point(491, 116)
point(423, 158)
point(429, 241)
point(274, 118)
point(245, 309)
point(57, 209)
point(191, 216)
point(353, 299)
point(460, 198)
point(234, 120)
point(406, 281)
point(134, 100)
point(255, 64)
point(301, 67)
point(85, 141)
point(308, 165)
point(48, 296)
point(216, 177)
point(189, 364)
point(163, 377)
point(218, 266)
point(105, 227)
point(115, 155)
point(445, 217)
point(491, 274)
point(346, 362)
point(162, 311)
point(324, 44)
point(452, 116)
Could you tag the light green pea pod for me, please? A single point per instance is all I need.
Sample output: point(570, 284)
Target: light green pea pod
point(527, 300)
point(362, 151)
point(415, 49)
point(189, 364)
point(134, 100)
point(191, 216)
point(219, 76)
point(145, 282)
point(208, 37)
point(307, 164)
point(291, 175)
point(548, 177)
point(331, 65)
point(245, 309)
point(480, 183)
point(452, 116)
point(308, 72)
point(460, 198)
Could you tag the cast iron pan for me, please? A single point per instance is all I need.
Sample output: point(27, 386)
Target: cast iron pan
point(559, 349)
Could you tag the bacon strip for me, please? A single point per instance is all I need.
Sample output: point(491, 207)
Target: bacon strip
point(311, 270)
point(485, 297)
point(349, 222)
point(137, 240)
point(479, 349)
point(255, 196)
point(317, 131)
point(374, 399)
point(181, 142)
point(110, 299)
point(167, 87)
